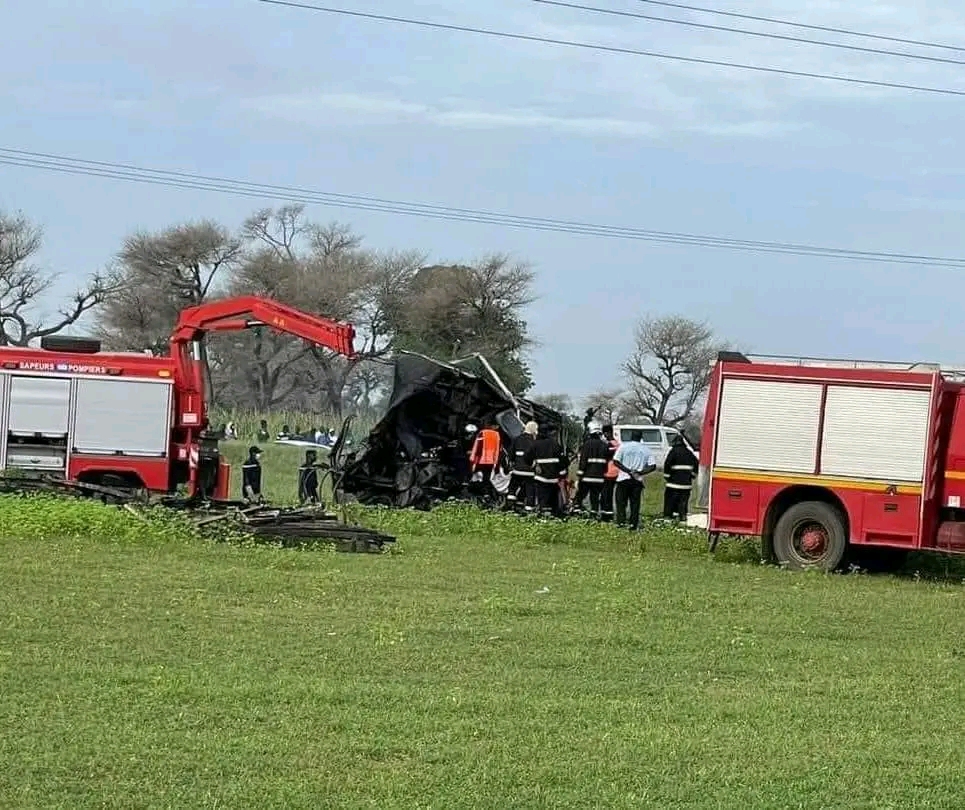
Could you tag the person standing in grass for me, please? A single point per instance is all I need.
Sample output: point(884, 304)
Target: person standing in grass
point(635, 461)
point(251, 476)
point(548, 461)
point(263, 434)
point(308, 479)
point(485, 452)
point(594, 457)
point(679, 472)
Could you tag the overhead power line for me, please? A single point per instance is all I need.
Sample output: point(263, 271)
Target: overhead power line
point(801, 74)
point(747, 32)
point(243, 188)
point(828, 29)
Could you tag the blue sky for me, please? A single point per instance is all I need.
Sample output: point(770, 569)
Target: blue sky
point(277, 95)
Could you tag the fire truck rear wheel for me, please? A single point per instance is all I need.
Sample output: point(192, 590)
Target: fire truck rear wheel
point(810, 535)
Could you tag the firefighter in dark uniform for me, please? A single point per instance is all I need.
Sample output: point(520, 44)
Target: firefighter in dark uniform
point(548, 461)
point(308, 479)
point(594, 457)
point(609, 476)
point(522, 492)
point(679, 471)
point(251, 476)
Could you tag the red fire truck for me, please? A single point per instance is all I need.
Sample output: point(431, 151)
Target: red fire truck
point(132, 420)
point(816, 456)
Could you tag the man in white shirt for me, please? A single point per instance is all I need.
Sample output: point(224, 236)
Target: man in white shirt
point(634, 461)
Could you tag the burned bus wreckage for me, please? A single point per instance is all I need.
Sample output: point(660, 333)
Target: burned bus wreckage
point(417, 455)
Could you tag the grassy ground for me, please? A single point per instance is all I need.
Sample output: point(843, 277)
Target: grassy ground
point(491, 663)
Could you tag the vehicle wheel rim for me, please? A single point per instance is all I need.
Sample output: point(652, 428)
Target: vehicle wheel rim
point(810, 542)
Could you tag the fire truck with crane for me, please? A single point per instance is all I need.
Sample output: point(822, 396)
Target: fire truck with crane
point(135, 421)
point(819, 457)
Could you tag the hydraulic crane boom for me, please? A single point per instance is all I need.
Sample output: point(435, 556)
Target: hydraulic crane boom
point(235, 314)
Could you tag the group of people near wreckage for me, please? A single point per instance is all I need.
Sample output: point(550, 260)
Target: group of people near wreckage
point(610, 474)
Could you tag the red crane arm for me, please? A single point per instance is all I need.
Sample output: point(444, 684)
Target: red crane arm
point(245, 312)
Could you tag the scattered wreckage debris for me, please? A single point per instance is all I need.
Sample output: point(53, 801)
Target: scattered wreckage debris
point(417, 455)
point(301, 527)
point(306, 526)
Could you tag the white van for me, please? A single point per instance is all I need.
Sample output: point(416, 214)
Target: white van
point(656, 437)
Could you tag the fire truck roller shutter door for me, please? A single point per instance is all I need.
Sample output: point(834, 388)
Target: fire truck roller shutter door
point(39, 405)
point(126, 416)
point(768, 425)
point(876, 433)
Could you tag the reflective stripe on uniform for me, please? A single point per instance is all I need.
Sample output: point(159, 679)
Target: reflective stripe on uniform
point(678, 486)
point(548, 460)
point(523, 473)
point(681, 467)
point(593, 480)
point(597, 461)
point(546, 480)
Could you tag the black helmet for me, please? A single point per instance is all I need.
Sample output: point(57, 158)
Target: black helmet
point(254, 450)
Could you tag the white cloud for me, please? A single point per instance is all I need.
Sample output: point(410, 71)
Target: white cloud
point(317, 110)
point(330, 110)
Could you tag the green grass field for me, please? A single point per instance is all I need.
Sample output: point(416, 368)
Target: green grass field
point(487, 663)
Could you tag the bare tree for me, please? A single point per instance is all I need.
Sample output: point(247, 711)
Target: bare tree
point(334, 238)
point(23, 284)
point(277, 231)
point(161, 274)
point(668, 371)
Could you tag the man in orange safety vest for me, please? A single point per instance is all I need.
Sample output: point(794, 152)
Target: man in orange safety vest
point(485, 452)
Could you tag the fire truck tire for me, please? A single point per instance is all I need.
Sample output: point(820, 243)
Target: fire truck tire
point(810, 535)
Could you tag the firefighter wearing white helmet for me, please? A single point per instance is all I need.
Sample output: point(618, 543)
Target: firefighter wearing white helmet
point(594, 456)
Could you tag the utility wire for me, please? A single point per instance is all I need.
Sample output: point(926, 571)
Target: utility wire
point(945, 91)
point(174, 179)
point(763, 34)
point(828, 29)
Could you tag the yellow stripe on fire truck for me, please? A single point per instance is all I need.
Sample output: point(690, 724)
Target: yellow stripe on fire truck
point(729, 474)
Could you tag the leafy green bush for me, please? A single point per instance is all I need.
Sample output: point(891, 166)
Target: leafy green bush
point(45, 517)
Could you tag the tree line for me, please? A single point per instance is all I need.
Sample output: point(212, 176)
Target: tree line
point(395, 299)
